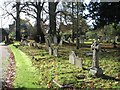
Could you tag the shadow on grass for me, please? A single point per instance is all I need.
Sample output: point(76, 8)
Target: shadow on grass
point(109, 77)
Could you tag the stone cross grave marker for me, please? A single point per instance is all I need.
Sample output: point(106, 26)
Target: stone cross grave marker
point(95, 70)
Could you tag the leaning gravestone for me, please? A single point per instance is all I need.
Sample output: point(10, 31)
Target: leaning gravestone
point(72, 57)
point(95, 69)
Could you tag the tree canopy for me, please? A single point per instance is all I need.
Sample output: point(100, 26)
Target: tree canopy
point(104, 13)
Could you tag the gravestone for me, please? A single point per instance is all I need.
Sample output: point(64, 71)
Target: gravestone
point(34, 44)
point(82, 39)
point(72, 57)
point(116, 38)
point(29, 44)
point(48, 42)
point(78, 62)
point(95, 69)
point(69, 40)
point(26, 43)
point(39, 39)
point(50, 51)
point(62, 39)
point(55, 40)
point(55, 52)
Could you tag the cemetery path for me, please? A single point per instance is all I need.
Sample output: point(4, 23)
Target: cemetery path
point(4, 63)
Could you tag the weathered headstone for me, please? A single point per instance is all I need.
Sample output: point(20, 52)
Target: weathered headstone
point(29, 44)
point(48, 42)
point(72, 57)
point(55, 40)
point(62, 39)
point(116, 38)
point(82, 39)
point(55, 52)
point(39, 39)
point(78, 62)
point(50, 51)
point(26, 42)
point(69, 40)
point(95, 70)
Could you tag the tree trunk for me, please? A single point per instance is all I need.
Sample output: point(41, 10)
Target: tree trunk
point(39, 29)
point(52, 19)
point(18, 37)
point(77, 41)
point(73, 29)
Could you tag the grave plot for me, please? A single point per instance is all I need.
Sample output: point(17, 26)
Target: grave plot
point(52, 70)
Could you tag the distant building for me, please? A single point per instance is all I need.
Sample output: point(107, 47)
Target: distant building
point(3, 34)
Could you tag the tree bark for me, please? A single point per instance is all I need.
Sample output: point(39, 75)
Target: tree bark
point(77, 41)
point(18, 37)
point(39, 29)
point(52, 18)
point(73, 29)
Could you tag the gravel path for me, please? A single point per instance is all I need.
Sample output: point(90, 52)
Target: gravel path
point(4, 62)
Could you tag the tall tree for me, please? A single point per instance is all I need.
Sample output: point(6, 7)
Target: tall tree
point(13, 9)
point(18, 37)
point(104, 13)
point(34, 10)
point(75, 17)
point(52, 18)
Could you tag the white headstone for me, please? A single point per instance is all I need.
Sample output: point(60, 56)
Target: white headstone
point(50, 51)
point(55, 40)
point(55, 52)
point(78, 62)
point(72, 57)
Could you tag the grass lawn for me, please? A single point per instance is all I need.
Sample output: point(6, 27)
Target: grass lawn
point(25, 72)
point(59, 68)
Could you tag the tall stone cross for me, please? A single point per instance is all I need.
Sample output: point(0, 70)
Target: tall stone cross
point(95, 48)
point(95, 69)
